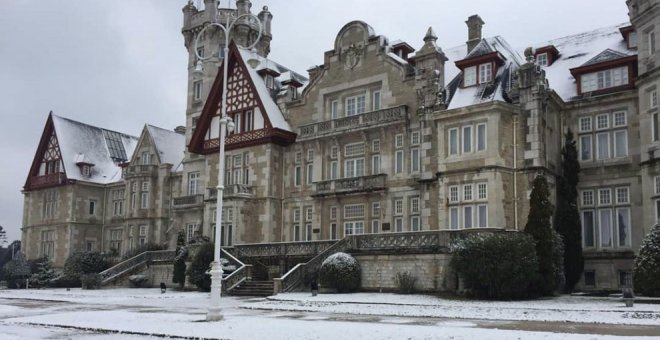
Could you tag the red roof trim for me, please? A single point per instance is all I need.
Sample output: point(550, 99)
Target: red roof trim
point(33, 174)
point(497, 57)
point(604, 65)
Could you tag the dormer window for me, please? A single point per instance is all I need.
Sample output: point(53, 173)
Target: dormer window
point(270, 81)
point(294, 92)
point(632, 39)
point(86, 171)
point(605, 79)
point(470, 76)
point(630, 36)
point(542, 59)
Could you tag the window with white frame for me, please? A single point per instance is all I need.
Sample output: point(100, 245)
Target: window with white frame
point(51, 203)
point(197, 90)
point(333, 231)
point(193, 183)
point(375, 226)
point(467, 139)
point(375, 209)
point(353, 212)
point(297, 178)
point(355, 105)
point(650, 37)
point(310, 173)
point(606, 218)
point(334, 152)
point(415, 220)
point(609, 78)
point(47, 243)
point(468, 205)
point(144, 195)
point(333, 213)
point(375, 164)
point(92, 207)
point(542, 59)
point(308, 232)
point(191, 231)
point(146, 157)
point(142, 234)
point(398, 206)
point(415, 160)
point(375, 102)
point(608, 140)
point(334, 109)
point(354, 160)
point(296, 232)
point(653, 99)
point(334, 170)
point(115, 240)
point(485, 73)
point(118, 202)
point(375, 145)
point(470, 76)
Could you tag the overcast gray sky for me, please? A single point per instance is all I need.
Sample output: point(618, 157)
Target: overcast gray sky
point(119, 64)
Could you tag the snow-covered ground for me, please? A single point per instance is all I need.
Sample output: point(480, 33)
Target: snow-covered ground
point(138, 313)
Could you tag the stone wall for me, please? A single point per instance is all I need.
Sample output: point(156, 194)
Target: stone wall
point(431, 270)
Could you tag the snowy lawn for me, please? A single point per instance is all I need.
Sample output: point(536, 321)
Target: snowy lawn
point(559, 309)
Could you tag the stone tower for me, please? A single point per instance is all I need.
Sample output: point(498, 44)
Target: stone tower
point(209, 45)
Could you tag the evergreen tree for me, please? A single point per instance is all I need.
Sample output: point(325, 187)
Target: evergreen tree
point(3, 237)
point(43, 274)
point(179, 271)
point(17, 270)
point(538, 226)
point(646, 271)
point(567, 217)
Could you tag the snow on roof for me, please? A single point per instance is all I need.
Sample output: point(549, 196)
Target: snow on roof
point(105, 149)
point(169, 144)
point(579, 50)
point(494, 91)
point(272, 110)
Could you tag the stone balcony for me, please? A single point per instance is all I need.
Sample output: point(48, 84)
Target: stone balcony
point(191, 201)
point(353, 123)
point(141, 170)
point(232, 191)
point(350, 185)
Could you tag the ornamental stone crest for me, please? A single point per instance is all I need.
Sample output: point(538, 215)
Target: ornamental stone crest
point(352, 55)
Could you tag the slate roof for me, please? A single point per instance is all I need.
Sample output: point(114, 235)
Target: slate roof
point(103, 148)
point(169, 145)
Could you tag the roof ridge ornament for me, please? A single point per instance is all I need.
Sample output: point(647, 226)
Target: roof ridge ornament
point(430, 35)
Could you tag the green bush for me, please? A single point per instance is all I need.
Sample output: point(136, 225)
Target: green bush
point(17, 271)
point(84, 262)
point(405, 282)
point(197, 273)
point(341, 272)
point(141, 249)
point(498, 266)
point(43, 273)
point(646, 270)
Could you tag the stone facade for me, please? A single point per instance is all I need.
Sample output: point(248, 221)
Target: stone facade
point(387, 141)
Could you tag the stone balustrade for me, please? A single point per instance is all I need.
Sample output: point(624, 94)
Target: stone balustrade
point(188, 201)
point(353, 184)
point(356, 122)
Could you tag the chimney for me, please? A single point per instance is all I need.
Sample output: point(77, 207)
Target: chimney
point(474, 24)
point(211, 9)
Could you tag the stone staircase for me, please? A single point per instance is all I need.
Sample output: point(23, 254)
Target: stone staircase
point(253, 288)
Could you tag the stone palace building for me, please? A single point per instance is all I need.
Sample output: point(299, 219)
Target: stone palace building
point(380, 138)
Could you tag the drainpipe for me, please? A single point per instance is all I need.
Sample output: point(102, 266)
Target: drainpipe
point(515, 172)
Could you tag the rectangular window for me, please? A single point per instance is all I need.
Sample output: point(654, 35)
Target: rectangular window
point(623, 226)
point(655, 129)
point(191, 230)
point(453, 218)
point(467, 139)
point(414, 160)
point(375, 164)
point(333, 213)
point(467, 192)
point(605, 222)
point(588, 228)
point(308, 232)
point(398, 141)
point(334, 174)
point(375, 226)
point(297, 176)
point(657, 185)
point(354, 167)
point(542, 59)
point(398, 224)
point(333, 231)
point(398, 165)
point(467, 217)
point(604, 79)
point(485, 73)
point(92, 207)
point(651, 41)
point(585, 124)
point(585, 148)
point(619, 119)
point(415, 138)
point(197, 90)
point(414, 223)
point(603, 145)
point(602, 122)
point(414, 205)
point(296, 232)
point(398, 207)
point(310, 173)
point(453, 141)
point(334, 109)
point(375, 209)
point(482, 216)
point(334, 151)
point(296, 215)
point(375, 104)
point(309, 214)
point(375, 145)
point(354, 211)
point(653, 99)
point(587, 198)
point(621, 143)
point(310, 155)
point(604, 197)
point(482, 191)
point(453, 194)
point(470, 76)
point(298, 157)
point(193, 183)
point(481, 137)
point(48, 243)
point(622, 196)
point(355, 105)
point(354, 149)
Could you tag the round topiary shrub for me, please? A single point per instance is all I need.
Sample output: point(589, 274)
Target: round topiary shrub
point(646, 271)
point(341, 272)
point(499, 266)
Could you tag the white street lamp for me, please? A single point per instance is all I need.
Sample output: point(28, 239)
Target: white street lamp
point(226, 126)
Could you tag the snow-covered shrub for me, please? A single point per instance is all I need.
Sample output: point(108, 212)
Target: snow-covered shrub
point(497, 266)
point(405, 282)
point(17, 271)
point(646, 271)
point(90, 281)
point(43, 273)
point(341, 272)
point(197, 273)
point(84, 262)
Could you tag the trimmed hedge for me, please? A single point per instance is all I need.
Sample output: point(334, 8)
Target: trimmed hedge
point(499, 266)
point(341, 272)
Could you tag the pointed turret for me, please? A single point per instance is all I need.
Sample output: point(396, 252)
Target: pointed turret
point(430, 81)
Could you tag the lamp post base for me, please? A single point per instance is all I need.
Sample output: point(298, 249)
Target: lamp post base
point(215, 312)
